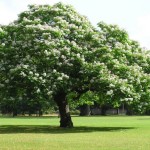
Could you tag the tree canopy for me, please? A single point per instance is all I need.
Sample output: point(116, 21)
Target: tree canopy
point(50, 51)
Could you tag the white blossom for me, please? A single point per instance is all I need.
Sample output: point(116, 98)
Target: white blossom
point(109, 92)
point(40, 78)
point(25, 66)
point(2, 85)
point(59, 78)
point(78, 55)
point(54, 70)
point(49, 92)
point(30, 72)
point(44, 74)
point(37, 74)
point(38, 91)
point(111, 85)
point(23, 74)
point(20, 98)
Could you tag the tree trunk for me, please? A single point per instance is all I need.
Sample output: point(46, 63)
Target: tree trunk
point(103, 109)
point(65, 118)
point(40, 113)
point(85, 110)
point(15, 113)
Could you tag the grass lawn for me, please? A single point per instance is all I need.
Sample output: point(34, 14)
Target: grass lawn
point(90, 133)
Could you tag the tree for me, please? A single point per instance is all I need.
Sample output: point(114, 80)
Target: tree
point(129, 62)
point(51, 51)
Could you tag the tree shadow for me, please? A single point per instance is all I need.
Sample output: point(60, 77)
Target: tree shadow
point(14, 129)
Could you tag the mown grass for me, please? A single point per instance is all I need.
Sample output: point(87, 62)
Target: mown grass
point(90, 133)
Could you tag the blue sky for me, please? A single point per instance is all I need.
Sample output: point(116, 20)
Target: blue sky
point(131, 15)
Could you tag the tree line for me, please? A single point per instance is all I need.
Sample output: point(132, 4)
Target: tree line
point(51, 53)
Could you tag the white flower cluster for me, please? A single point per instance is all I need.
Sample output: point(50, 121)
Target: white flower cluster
point(55, 48)
point(110, 92)
point(127, 99)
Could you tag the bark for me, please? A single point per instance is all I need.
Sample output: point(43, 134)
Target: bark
point(85, 110)
point(103, 110)
point(40, 113)
point(65, 118)
point(129, 110)
point(14, 113)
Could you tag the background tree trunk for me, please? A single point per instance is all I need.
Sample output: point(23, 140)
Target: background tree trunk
point(104, 109)
point(85, 110)
point(14, 113)
point(65, 118)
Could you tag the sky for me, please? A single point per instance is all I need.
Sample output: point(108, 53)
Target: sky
point(131, 15)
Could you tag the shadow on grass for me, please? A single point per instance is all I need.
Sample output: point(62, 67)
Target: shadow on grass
point(28, 117)
point(12, 129)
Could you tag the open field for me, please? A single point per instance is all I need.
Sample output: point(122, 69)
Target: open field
point(90, 133)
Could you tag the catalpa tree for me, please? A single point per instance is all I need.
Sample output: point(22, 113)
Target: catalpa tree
point(51, 51)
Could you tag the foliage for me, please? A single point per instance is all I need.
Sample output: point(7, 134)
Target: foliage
point(52, 48)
